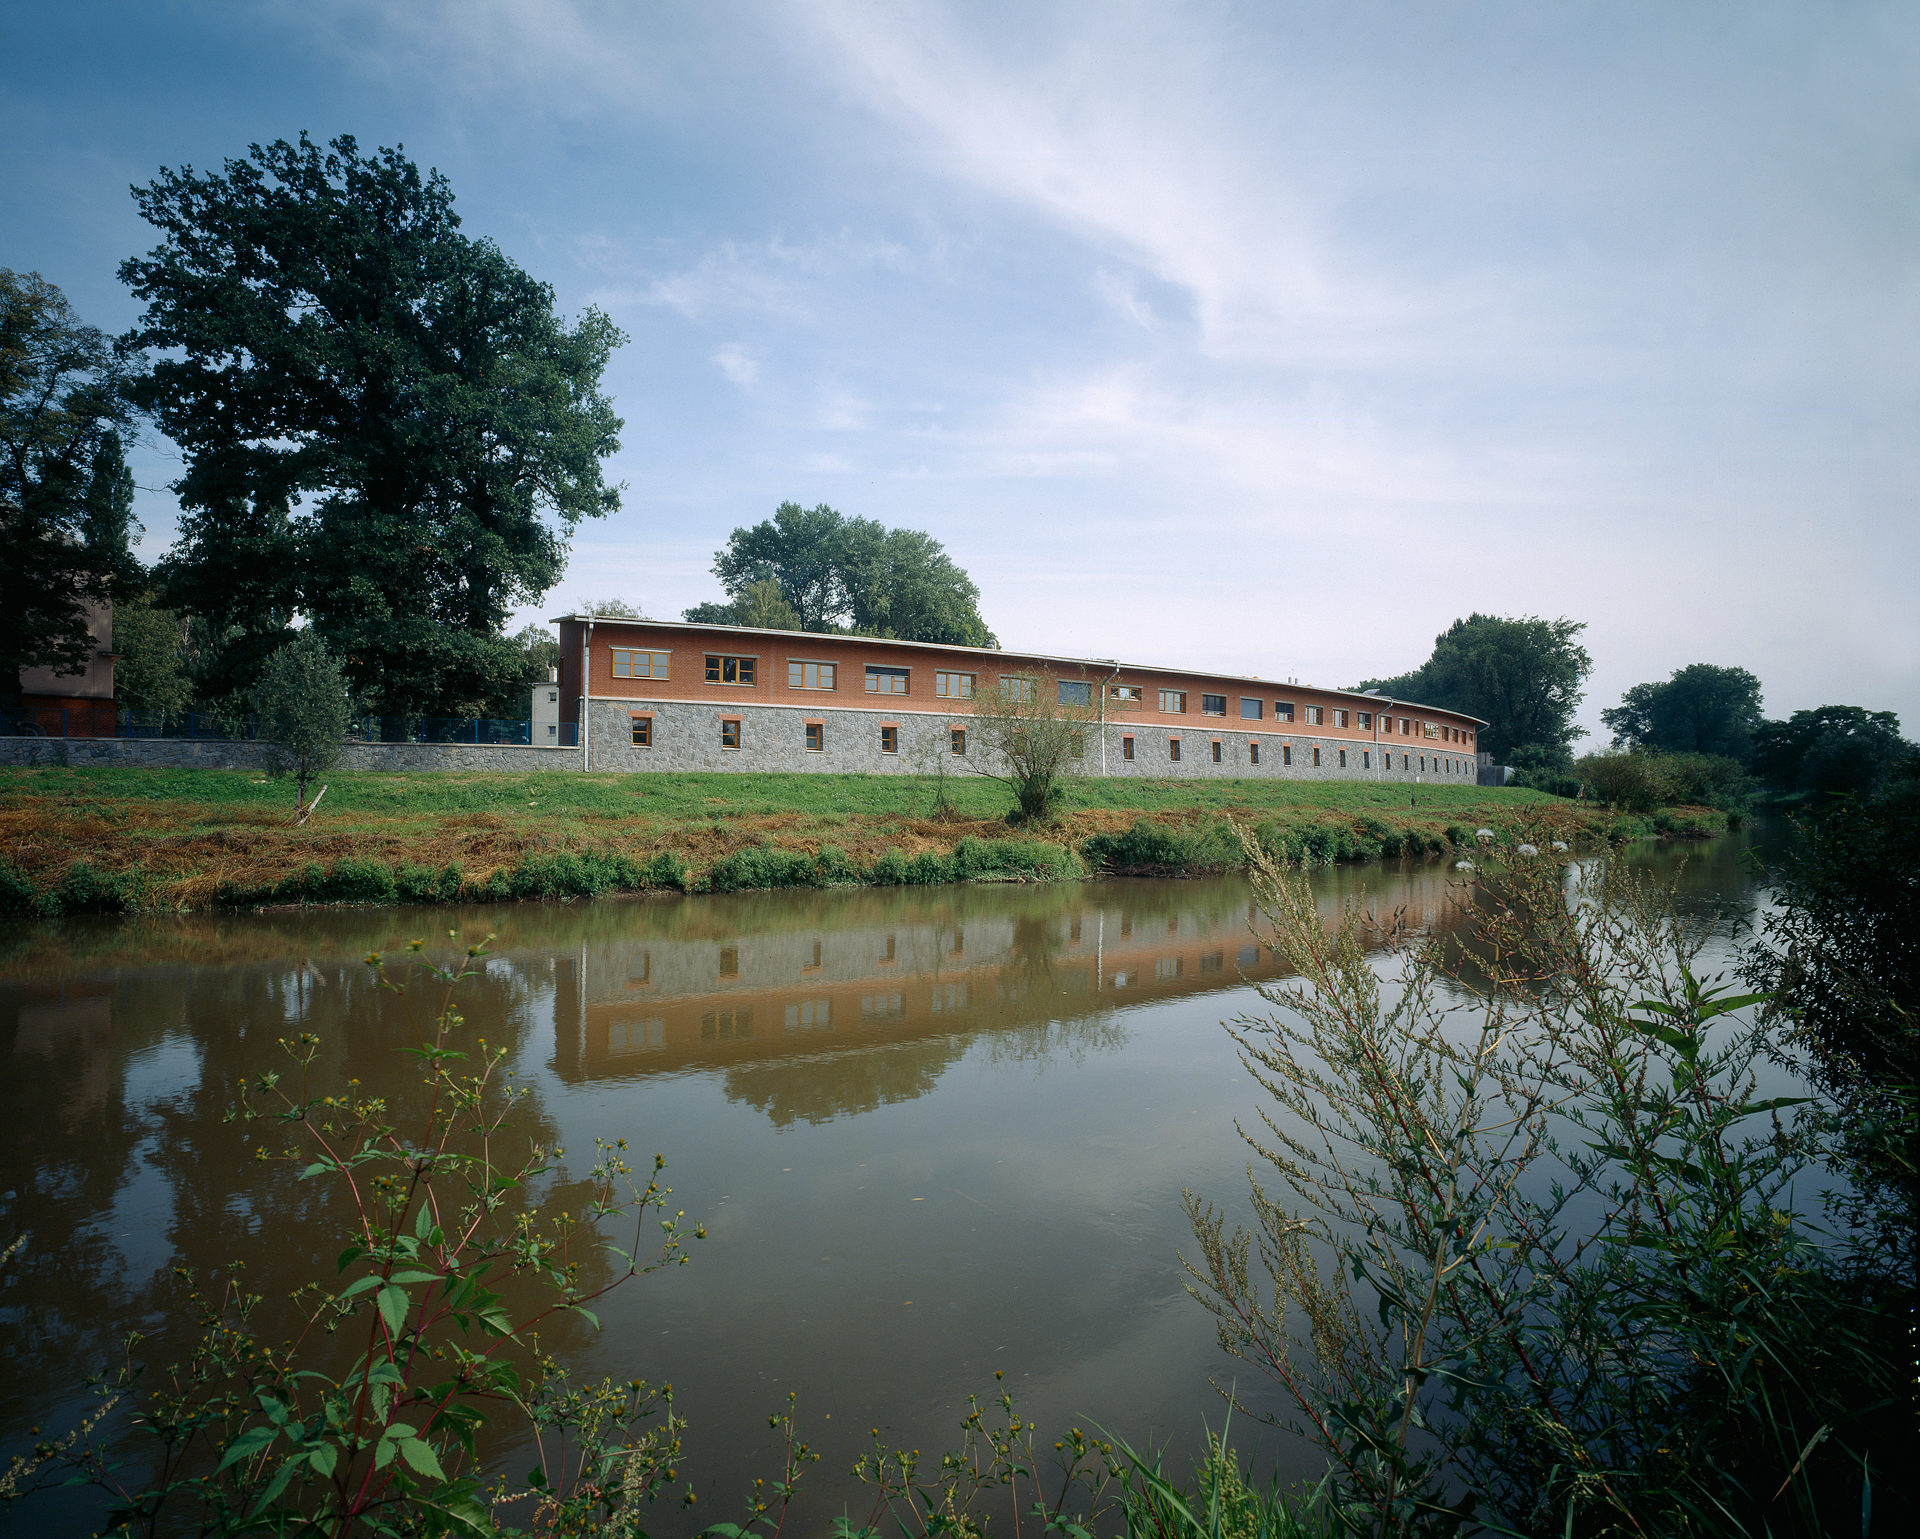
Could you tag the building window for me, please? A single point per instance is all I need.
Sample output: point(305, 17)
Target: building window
point(809, 675)
point(1173, 749)
point(1283, 710)
point(1075, 692)
point(889, 739)
point(1126, 748)
point(1423, 764)
point(729, 670)
point(1314, 715)
point(957, 737)
point(1216, 750)
point(1363, 720)
point(886, 681)
point(1173, 702)
point(816, 736)
point(1286, 753)
point(1213, 705)
point(1018, 691)
point(1316, 754)
point(1339, 717)
point(1253, 753)
point(642, 729)
point(953, 686)
point(1406, 727)
point(1430, 729)
point(1251, 710)
point(629, 664)
point(1366, 759)
point(1343, 758)
point(730, 732)
point(1124, 696)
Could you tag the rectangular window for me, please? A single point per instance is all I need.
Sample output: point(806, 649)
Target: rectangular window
point(1430, 729)
point(1018, 691)
point(729, 670)
point(886, 681)
point(1363, 720)
point(1251, 710)
point(1173, 702)
point(1286, 753)
point(629, 664)
point(1423, 764)
point(957, 738)
point(1253, 753)
point(642, 731)
point(802, 675)
point(1343, 758)
point(889, 739)
point(953, 686)
point(1173, 749)
point(1339, 717)
point(1126, 748)
point(1075, 692)
point(1366, 758)
point(1123, 696)
point(1406, 726)
point(1283, 710)
point(1314, 715)
point(730, 732)
point(816, 736)
point(1316, 758)
point(1216, 750)
point(1213, 705)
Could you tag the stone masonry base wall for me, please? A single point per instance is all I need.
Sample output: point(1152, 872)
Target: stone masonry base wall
point(687, 737)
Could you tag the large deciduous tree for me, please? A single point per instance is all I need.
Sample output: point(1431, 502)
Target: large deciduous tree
point(1703, 708)
point(66, 496)
point(386, 427)
point(1832, 749)
point(847, 573)
point(1523, 677)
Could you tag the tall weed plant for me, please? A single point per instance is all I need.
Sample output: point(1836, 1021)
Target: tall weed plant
point(1534, 1254)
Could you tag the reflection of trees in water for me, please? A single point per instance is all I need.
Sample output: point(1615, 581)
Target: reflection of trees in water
point(816, 1090)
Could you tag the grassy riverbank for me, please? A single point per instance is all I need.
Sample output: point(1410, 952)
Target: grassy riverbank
point(122, 840)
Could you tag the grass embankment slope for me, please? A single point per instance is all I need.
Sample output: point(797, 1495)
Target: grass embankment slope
point(118, 840)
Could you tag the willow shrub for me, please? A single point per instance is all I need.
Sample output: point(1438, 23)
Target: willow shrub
point(1534, 1260)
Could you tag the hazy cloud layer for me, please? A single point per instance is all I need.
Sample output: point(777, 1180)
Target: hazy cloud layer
point(1267, 337)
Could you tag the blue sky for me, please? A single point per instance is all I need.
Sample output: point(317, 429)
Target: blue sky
point(1267, 337)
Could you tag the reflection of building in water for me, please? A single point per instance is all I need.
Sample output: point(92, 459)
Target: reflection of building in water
point(638, 1005)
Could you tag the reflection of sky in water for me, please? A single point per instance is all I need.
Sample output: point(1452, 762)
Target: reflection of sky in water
point(932, 1133)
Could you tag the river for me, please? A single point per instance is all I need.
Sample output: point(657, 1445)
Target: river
point(932, 1134)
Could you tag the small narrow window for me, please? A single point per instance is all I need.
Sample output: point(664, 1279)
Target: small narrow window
point(1216, 750)
point(1253, 753)
point(1126, 748)
point(816, 736)
point(643, 732)
point(889, 739)
point(1286, 753)
point(1173, 749)
point(1366, 758)
point(1343, 758)
point(730, 733)
point(1316, 758)
point(957, 736)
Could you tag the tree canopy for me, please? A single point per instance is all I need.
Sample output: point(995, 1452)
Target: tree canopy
point(840, 573)
point(66, 496)
point(1703, 708)
point(386, 427)
point(1523, 677)
point(1831, 749)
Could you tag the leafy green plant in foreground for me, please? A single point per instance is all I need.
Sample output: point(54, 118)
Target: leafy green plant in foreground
point(1541, 1267)
point(456, 1256)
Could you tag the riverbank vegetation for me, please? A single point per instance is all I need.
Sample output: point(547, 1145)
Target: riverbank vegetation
point(119, 841)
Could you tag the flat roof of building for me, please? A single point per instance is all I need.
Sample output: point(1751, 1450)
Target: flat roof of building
point(1036, 657)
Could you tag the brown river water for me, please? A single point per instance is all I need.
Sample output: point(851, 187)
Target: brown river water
point(932, 1133)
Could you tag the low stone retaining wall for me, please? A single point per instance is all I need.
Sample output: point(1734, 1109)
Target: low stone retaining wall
point(182, 753)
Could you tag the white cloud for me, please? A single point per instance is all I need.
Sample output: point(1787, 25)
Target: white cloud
point(737, 364)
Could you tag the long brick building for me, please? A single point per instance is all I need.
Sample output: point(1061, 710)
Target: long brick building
point(657, 694)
